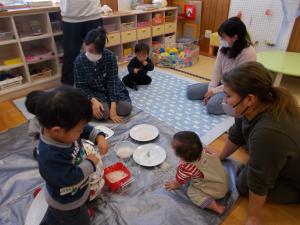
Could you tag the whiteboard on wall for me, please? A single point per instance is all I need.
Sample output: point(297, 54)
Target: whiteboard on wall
point(269, 22)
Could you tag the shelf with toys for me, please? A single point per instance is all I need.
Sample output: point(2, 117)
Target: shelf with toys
point(28, 52)
point(125, 29)
point(35, 37)
point(7, 34)
point(175, 55)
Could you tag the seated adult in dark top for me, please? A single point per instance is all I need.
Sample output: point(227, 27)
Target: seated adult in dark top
point(96, 74)
point(268, 123)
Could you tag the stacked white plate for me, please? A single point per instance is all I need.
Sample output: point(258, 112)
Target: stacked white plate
point(144, 132)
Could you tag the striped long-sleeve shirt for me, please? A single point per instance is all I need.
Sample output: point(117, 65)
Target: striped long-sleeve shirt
point(100, 80)
point(187, 171)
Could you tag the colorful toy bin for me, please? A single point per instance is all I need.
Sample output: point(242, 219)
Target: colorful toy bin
point(175, 55)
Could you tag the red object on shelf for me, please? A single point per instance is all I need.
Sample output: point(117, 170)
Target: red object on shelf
point(190, 11)
point(116, 167)
point(38, 54)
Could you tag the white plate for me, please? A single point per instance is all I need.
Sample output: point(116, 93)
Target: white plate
point(144, 132)
point(149, 155)
point(37, 210)
point(108, 132)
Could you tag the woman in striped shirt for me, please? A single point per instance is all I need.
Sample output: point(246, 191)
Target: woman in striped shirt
point(200, 168)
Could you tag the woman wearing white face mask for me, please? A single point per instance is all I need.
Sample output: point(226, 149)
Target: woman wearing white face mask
point(96, 74)
point(235, 49)
point(268, 123)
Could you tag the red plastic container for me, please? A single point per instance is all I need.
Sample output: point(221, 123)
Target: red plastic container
point(116, 167)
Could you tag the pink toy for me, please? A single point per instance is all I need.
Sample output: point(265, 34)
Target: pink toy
point(157, 19)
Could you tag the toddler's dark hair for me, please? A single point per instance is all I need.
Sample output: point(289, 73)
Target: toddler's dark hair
point(141, 48)
point(64, 107)
point(97, 37)
point(189, 147)
point(31, 101)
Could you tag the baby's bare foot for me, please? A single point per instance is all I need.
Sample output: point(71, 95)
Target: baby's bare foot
point(220, 209)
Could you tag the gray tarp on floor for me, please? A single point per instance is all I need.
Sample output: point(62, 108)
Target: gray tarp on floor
point(143, 202)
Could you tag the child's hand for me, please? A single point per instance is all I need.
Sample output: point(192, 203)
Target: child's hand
point(93, 158)
point(102, 144)
point(171, 185)
point(136, 70)
point(145, 63)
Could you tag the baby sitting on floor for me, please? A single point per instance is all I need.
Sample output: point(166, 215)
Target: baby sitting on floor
point(203, 170)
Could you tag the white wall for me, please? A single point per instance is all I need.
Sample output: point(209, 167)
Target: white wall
point(275, 29)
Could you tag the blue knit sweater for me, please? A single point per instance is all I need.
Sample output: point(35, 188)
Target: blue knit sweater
point(65, 170)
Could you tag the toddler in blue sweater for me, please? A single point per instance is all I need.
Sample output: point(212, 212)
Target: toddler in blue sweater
point(63, 115)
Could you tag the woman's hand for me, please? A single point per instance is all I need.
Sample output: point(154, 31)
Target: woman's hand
point(171, 185)
point(113, 113)
point(251, 220)
point(102, 144)
point(208, 95)
point(115, 118)
point(97, 108)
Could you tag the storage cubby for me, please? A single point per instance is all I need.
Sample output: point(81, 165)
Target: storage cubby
point(112, 25)
point(10, 57)
point(38, 50)
point(117, 50)
point(157, 18)
point(54, 16)
point(55, 21)
point(143, 26)
point(42, 70)
point(31, 26)
point(143, 20)
point(128, 51)
point(170, 16)
point(158, 41)
point(7, 34)
point(12, 78)
point(170, 39)
point(128, 23)
point(59, 45)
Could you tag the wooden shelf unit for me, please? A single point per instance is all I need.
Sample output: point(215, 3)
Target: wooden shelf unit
point(125, 29)
point(19, 24)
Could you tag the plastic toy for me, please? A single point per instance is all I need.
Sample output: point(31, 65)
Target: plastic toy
point(157, 19)
point(177, 56)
